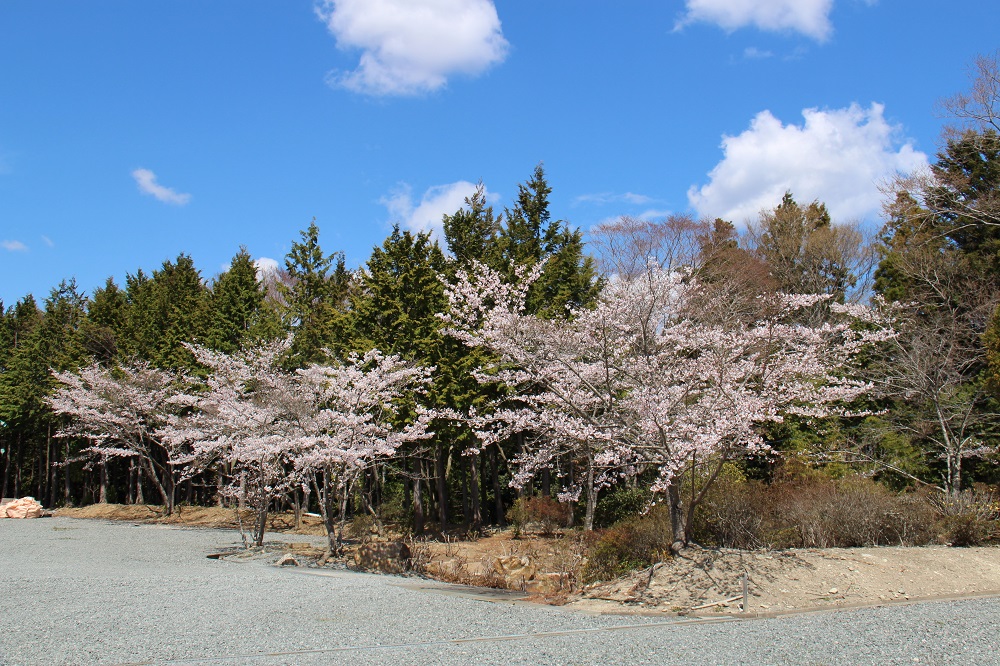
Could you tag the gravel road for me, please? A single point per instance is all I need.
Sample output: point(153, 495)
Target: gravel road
point(92, 592)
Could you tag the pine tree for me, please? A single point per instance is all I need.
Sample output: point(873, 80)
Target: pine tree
point(105, 323)
point(165, 311)
point(239, 313)
point(314, 298)
point(471, 233)
point(22, 409)
point(530, 235)
point(399, 294)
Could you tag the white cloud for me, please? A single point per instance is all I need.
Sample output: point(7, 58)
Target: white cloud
point(48, 241)
point(809, 17)
point(603, 198)
point(13, 246)
point(838, 156)
point(413, 46)
point(436, 202)
point(265, 266)
point(146, 180)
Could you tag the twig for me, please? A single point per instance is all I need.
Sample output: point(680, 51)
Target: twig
point(719, 603)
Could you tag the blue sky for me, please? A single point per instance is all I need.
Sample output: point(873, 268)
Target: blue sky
point(133, 131)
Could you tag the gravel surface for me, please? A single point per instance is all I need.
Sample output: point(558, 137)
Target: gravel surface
point(92, 592)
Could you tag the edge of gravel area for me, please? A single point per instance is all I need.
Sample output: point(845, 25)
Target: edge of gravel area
point(591, 605)
point(594, 607)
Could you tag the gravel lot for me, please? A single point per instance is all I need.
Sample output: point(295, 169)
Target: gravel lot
point(93, 592)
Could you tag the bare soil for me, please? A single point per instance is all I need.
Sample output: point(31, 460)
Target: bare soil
point(194, 516)
point(698, 582)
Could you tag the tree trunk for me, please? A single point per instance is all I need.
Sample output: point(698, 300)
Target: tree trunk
point(442, 491)
point(476, 509)
point(501, 518)
point(325, 510)
point(165, 494)
point(297, 508)
point(677, 522)
point(570, 506)
point(588, 516)
point(103, 468)
point(51, 471)
point(140, 498)
point(67, 489)
point(6, 469)
point(520, 452)
point(418, 506)
point(219, 479)
point(241, 502)
point(952, 454)
point(19, 466)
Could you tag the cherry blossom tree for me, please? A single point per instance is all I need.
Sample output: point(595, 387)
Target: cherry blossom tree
point(652, 377)
point(124, 412)
point(361, 412)
point(319, 427)
point(246, 423)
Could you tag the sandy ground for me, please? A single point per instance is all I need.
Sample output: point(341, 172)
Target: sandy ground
point(797, 580)
point(698, 583)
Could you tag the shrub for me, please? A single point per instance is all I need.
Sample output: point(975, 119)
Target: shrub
point(851, 512)
point(393, 509)
point(733, 515)
point(635, 542)
point(619, 504)
point(360, 527)
point(811, 512)
point(545, 512)
point(969, 518)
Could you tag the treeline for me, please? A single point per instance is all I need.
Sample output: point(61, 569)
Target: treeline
point(391, 304)
point(931, 416)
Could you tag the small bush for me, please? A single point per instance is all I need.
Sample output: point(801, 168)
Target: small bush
point(733, 515)
point(851, 512)
point(545, 512)
point(393, 510)
point(360, 528)
point(811, 512)
point(969, 518)
point(619, 504)
point(633, 543)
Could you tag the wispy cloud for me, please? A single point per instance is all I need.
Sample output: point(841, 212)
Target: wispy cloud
point(13, 246)
point(753, 53)
point(603, 198)
point(48, 241)
point(837, 156)
point(146, 180)
point(412, 46)
point(808, 17)
point(428, 214)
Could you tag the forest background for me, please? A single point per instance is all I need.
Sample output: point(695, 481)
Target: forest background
point(930, 420)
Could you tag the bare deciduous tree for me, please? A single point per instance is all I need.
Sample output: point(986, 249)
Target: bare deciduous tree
point(628, 245)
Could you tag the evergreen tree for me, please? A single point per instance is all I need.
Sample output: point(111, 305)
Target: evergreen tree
point(22, 392)
point(530, 234)
point(394, 309)
point(314, 298)
point(471, 233)
point(165, 311)
point(105, 323)
point(239, 312)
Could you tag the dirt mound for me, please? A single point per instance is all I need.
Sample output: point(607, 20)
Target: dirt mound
point(196, 516)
